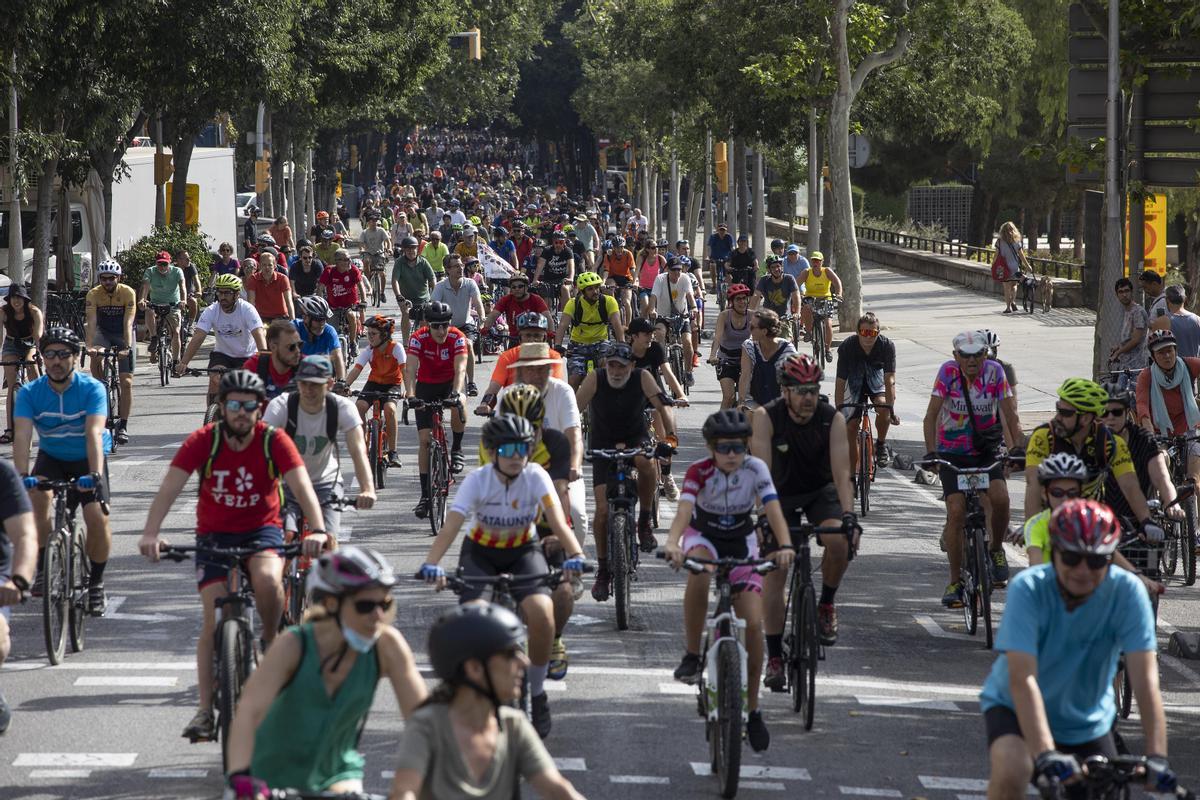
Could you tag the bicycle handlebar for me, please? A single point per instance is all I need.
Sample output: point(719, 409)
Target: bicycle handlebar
point(618, 455)
point(697, 565)
point(198, 373)
point(1101, 771)
point(970, 470)
point(179, 552)
point(865, 404)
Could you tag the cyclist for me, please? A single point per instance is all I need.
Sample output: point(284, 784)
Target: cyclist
point(345, 289)
point(672, 297)
point(720, 247)
point(714, 519)
point(435, 370)
point(504, 247)
point(1061, 477)
point(223, 263)
point(269, 290)
point(819, 282)
point(467, 742)
point(803, 438)
point(69, 410)
point(241, 461)
point(412, 281)
point(236, 326)
point(1149, 462)
point(1049, 696)
point(969, 431)
point(436, 253)
point(743, 263)
point(556, 267)
point(111, 312)
point(317, 336)
point(191, 282)
point(762, 351)
point(1166, 402)
point(466, 306)
point(652, 357)
point(163, 286)
point(468, 247)
point(18, 548)
point(616, 396)
point(617, 265)
point(304, 271)
point(588, 315)
point(730, 334)
point(777, 290)
point(777, 248)
point(531, 327)
point(866, 369)
point(301, 712)
point(277, 367)
point(794, 262)
point(21, 328)
point(376, 244)
point(650, 263)
point(505, 501)
point(513, 305)
point(386, 359)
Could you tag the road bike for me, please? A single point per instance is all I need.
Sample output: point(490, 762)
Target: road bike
point(160, 345)
point(348, 343)
point(378, 279)
point(1108, 779)
point(1181, 534)
point(823, 308)
point(66, 573)
point(864, 433)
point(722, 281)
point(675, 351)
point(212, 411)
point(1175, 529)
point(440, 476)
point(375, 430)
point(111, 370)
point(27, 367)
point(68, 309)
point(295, 570)
point(622, 497)
point(234, 652)
point(724, 681)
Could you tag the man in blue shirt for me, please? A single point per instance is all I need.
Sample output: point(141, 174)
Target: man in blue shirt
point(317, 336)
point(720, 248)
point(794, 262)
point(69, 410)
point(1049, 697)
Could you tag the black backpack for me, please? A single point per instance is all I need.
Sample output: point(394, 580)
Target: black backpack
point(331, 416)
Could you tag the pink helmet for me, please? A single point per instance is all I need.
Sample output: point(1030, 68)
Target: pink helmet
point(1085, 526)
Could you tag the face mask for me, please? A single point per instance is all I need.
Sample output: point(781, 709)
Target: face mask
point(357, 642)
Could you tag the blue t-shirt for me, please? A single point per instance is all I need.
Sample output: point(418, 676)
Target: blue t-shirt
point(507, 251)
point(795, 269)
point(721, 247)
point(60, 419)
point(323, 345)
point(1076, 651)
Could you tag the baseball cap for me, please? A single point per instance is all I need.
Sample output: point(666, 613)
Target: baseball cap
point(970, 342)
point(817, 256)
point(640, 325)
point(721, 226)
point(742, 237)
point(792, 248)
point(314, 369)
point(163, 256)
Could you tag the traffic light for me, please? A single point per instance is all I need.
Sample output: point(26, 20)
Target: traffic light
point(721, 167)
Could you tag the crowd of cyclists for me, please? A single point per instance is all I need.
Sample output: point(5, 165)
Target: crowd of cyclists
point(580, 306)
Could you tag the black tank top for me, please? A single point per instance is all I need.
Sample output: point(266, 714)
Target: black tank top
point(617, 413)
point(18, 328)
point(800, 453)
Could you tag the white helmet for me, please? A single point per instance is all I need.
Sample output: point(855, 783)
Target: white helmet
point(991, 337)
point(108, 267)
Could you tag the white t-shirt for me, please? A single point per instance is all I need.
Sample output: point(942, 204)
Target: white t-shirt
point(562, 412)
point(459, 299)
point(457, 217)
point(504, 513)
point(320, 455)
point(233, 331)
point(672, 297)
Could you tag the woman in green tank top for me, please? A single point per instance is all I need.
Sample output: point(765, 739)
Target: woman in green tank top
point(303, 710)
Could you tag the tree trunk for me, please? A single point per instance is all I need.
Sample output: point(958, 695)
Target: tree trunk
point(979, 197)
point(1080, 221)
point(64, 252)
point(812, 239)
point(758, 205)
point(1055, 234)
point(1033, 219)
point(673, 210)
point(993, 217)
point(42, 233)
point(740, 179)
point(181, 153)
point(693, 216)
point(656, 203)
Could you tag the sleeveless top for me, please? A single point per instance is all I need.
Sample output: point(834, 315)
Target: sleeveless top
point(817, 285)
point(732, 339)
point(18, 328)
point(309, 740)
point(617, 413)
point(800, 453)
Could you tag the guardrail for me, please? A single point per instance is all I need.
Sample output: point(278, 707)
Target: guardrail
point(984, 255)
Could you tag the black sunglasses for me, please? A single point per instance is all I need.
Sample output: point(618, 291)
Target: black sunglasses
point(1094, 560)
point(1059, 494)
point(439, 325)
point(367, 606)
point(1113, 412)
point(730, 448)
point(1066, 412)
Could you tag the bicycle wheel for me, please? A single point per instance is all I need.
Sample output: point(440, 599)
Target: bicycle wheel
point(164, 367)
point(818, 340)
point(1169, 555)
point(618, 563)
point(80, 580)
point(1187, 541)
point(983, 584)
point(212, 413)
point(56, 595)
point(230, 678)
point(375, 455)
point(1124, 695)
point(804, 655)
point(866, 452)
point(437, 500)
point(729, 722)
point(969, 581)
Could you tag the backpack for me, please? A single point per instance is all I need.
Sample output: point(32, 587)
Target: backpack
point(331, 416)
point(601, 308)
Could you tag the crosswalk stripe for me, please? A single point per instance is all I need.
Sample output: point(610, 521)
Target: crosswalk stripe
point(570, 764)
point(953, 784)
point(59, 773)
point(676, 688)
point(644, 779)
point(177, 773)
point(863, 791)
point(764, 786)
point(135, 681)
point(747, 771)
point(74, 759)
point(908, 702)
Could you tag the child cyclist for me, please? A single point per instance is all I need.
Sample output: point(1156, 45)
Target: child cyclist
point(714, 520)
point(386, 359)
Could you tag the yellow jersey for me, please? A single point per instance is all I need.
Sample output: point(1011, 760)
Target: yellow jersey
point(817, 285)
point(1114, 457)
point(114, 310)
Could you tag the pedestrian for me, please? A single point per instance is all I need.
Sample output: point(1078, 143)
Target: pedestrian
point(1184, 324)
point(1010, 250)
point(1154, 300)
point(1130, 352)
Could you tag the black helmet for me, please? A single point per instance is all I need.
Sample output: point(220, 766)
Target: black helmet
point(472, 631)
point(409, 241)
point(728, 423)
point(60, 335)
point(776, 243)
point(505, 429)
point(438, 312)
point(265, 240)
point(532, 319)
point(241, 380)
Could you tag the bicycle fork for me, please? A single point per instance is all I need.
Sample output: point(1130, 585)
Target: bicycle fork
point(712, 660)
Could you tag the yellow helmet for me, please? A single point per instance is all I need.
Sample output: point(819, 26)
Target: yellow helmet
point(1087, 396)
point(228, 281)
point(524, 400)
point(587, 279)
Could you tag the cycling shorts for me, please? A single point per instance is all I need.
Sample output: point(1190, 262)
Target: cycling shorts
point(216, 359)
point(6, 559)
point(479, 561)
point(17, 349)
point(862, 384)
point(54, 469)
point(1002, 721)
point(742, 578)
point(578, 356)
point(210, 570)
point(620, 280)
point(108, 339)
point(329, 496)
point(729, 368)
point(949, 475)
point(816, 507)
point(431, 391)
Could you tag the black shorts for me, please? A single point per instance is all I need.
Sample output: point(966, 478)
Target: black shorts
point(729, 369)
point(6, 556)
point(479, 561)
point(210, 570)
point(949, 475)
point(372, 386)
point(430, 391)
point(1002, 721)
point(602, 466)
point(814, 507)
point(216, 359)
point(51, 468)
point(620, 280)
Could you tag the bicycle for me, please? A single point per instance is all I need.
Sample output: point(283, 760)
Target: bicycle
point(722, 281)
point(1147, 557)
point(296, 794)
point(552, 294)
point(622, 497)
point(295, 570)
point(1174, 529)
point(440, 476)
point(160, 345)
point(348, 343)
point(823, 308)
point(112, 385)
point(374, 428)
point(66, 574)
point(675, 351)
point(864, 470)
point(791, 323)
point(212, 411)
point(378, 279)
point(724, 681)
point(1182, 533)
point(1108, 779)
point(234, 653)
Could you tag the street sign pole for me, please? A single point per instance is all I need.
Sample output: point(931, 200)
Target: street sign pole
point(1109, 319)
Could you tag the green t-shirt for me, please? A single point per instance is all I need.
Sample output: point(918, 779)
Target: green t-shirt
point(1037, 532)
point(589, 325)
point(414, 278)
point(436, 256)
point(165, 287)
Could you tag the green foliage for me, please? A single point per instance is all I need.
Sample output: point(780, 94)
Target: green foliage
point(142, 255)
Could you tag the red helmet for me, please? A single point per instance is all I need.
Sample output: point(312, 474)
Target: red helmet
point(1085, 526)
point(737, 290)
point(384, 325)
point(796, 370)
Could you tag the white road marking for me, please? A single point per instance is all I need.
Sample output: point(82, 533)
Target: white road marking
point(621, 671)
point(933, 629)
point(972, 797)
point(178, 773)
point(114, 604)
point(137, 462)
point(136, 681)
point(584, 619)
point(126, 666)
point(778, 773)
point(765, 786)
point(863, 791)
point(59, 773)
point(570, 764)
point(907, 702)
point(899, 686)
point(953, 784)
point(345, 534)
point(75, 760)
point(676, 688)
point(554, 686)
point(644, 779)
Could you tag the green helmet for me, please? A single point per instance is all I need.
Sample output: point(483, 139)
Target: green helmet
point(1087, 396)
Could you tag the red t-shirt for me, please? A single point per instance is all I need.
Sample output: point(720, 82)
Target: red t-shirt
point(279, 379)
point(341, 288)
point(436, 361)
point(268, 297)
point(239, 496)
point(512, 309)
point(524, 248)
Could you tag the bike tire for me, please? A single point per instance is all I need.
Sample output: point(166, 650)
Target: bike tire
point(970, 585)
point(374, 452)
point(56, 596)
point(618, 563)
point(80, 581)
point(437, 463)
point(1124, 695)
point(818, 340)
point(866, 452)
point(1187, 544)
point(164, 368)
point(212, 413)
point(729, 720)
point(230, 679)
point(1169, 555)
point(984, 586)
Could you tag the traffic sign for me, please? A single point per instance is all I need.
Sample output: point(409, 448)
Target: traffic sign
point(1158, 138)
point(860, 150)
point(1155, 250)
point(1169, 95)
point(191, 204)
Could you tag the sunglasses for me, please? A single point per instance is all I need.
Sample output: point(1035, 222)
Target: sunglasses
point(367, 606)
point(802, 390)
point(513, 449)
point(1094, 560)
point(1113, 412)
point(249, 406)
point(439, 325)
point(291, 348)
point(961, 354)
point(1065, 412)
point(57, 354)
point(1059, 494)
point(730, 448)
point(870, 334)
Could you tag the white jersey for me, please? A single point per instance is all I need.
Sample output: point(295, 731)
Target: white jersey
point(233, 331)
point(504, 514)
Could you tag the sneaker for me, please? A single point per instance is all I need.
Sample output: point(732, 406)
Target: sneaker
point(421, 509)
point(472, 389)
point(829, 354)
point(827, 623)
point(688, 378)
point(757, 733)
point(688, 670)
point(775, 678)
point(202, 728)
point(121, 435)
point(883, 456)
point(646, 541)
point(670, 490)
point(556, 670)
point(999, 567)
point(393, 460)
point(457, 461)
point(5, 714)
point(601, 585)
point(953, 596)
point(97, 600)
point(539, 706)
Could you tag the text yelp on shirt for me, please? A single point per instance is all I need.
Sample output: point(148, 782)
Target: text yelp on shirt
point(242, 495)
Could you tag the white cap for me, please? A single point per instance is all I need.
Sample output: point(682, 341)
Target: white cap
point(970, 342)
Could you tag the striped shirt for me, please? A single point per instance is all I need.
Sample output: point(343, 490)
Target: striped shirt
point(60, 419)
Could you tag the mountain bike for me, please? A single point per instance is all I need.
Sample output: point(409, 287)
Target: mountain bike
point(66, 574)
point(675, 351)
point(622, 497)
point(1182, 536)
point(348, 343)
point(823, 308)
point(864, 433)
point(378, 279)
point(791, 325)
point(440, 476)
point(160, 345)
point(1175, 529)
point(375, 431)
point(552, 294)
point(31, 366)
point(1108, 779)
point(234, 653)
point(721, 282)
point(295, 570)
point(111, 371)
point(212, 411)
point(724, 682)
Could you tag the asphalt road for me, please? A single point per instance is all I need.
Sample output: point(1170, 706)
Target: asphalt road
point(897, 712)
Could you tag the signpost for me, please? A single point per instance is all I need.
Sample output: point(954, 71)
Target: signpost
point(860, 150)
point(1154, 229)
